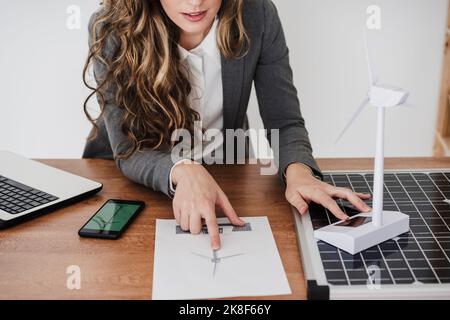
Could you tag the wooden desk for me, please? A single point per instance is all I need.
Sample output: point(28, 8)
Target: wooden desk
point(34, 256)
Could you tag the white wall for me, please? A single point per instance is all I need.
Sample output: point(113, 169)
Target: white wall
point(41, 92)
point(325, 38)
point(41, 63)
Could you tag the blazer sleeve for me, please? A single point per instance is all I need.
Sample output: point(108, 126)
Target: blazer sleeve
point(277, 96)
point(148, 167)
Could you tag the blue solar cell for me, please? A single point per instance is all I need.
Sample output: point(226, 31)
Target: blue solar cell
point(421, 255)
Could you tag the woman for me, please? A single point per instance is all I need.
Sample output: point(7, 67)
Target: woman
point(161, 65)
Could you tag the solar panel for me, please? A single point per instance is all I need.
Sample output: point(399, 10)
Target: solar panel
point(418, 257)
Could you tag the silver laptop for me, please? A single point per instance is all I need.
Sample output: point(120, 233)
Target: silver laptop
point(29, 188)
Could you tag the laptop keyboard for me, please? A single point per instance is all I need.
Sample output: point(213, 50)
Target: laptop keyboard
point(16, 197)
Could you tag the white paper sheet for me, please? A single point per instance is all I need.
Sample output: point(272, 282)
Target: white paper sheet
point(248, 263)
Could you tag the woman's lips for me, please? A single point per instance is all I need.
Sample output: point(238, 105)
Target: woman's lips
point(195, 17)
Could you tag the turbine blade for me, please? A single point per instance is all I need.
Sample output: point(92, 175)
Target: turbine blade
point(201, 256)
point(231, 256)
point(409, 105)
point(353, 118)
point(373, 76)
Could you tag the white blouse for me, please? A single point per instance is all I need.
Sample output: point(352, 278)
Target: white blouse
point(204, 63)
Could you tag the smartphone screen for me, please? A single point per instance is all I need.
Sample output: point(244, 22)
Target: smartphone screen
point(111, 219)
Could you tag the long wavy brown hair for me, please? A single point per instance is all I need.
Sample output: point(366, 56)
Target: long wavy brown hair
point(149, 82)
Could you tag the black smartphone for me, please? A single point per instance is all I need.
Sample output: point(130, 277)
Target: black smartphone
point(112, 219)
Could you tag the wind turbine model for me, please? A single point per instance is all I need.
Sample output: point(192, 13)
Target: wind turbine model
point(365, 230)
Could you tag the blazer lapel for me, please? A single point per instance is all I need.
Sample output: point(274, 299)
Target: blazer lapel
point(232, 80)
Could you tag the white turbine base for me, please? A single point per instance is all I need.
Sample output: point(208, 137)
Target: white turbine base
point(364, 236)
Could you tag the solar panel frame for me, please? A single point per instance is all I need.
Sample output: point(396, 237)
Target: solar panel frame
point(332, 273)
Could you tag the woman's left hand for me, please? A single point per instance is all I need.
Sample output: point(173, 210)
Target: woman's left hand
point(302, 188)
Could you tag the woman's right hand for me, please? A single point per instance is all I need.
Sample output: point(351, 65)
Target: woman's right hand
point(196, 198)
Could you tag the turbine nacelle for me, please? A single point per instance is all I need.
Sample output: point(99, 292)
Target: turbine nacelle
point(386, 96)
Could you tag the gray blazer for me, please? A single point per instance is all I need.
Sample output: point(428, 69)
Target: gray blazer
point(266, 64)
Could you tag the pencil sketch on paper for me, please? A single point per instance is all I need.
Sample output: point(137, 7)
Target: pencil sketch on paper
point(215, 259)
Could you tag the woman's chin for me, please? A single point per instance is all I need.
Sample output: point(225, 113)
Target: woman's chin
point(195, 27)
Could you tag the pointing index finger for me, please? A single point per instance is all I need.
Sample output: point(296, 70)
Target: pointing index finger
point(213, 231)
